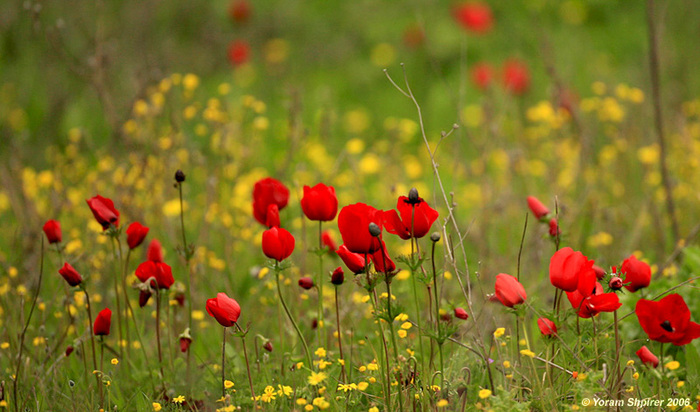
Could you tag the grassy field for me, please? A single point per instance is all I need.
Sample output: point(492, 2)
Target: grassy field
point(477, 106)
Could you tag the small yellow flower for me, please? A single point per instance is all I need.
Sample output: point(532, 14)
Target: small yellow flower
point(156, 406)
point(442, 403)
point(630, 362)
point(320, 352)
point(680, 384)
point(299, 365)
point(673, 365)
point(373, 409)
point(362, 386)
point(362, 368)
point(373, 366)
point(341, 362)
point(302, 401)
point(630, 389)
point(484, 393)
point(506, 364)
point(114, 361)
point(402, 333)
point(316, 378)
point(372, 379)
point(179, 399)
point(406, 325)
point(228, 384)
point(635, 376)
point(322, 364)
point(499, 332)
point(309, 408)
point(4, 345)
point(527, 352)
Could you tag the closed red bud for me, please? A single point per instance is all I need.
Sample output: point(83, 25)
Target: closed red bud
point(338, 276)
point(615, 283)
point(475, 17)
point(69, 350)
point(647, 357)
point(538, 208)
point(268, 346)
point(277, 243)
point(185, 344)
point(509, 291)
point(328, 241)
point(516, 76)
point(319, 202)
point(554, 230)
point(267, 192)
point(180, 298)
point(306, 283)
point(135, 234)
point(461, 314)
point(547, 327)
point(445, 317)
point(103, 322)
point(70, 275)
point(155, 251)
point(239, 11)
point(314, 323)
point(52, 229)
point(144, 296)
point(599, 272)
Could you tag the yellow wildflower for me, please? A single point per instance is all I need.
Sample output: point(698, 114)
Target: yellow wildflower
point(484, 393)
point(499, 332)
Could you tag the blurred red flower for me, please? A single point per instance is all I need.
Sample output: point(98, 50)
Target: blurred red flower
point(667, 320)
point(461, 314)
point(103, 322)
point(52, 229)
point(538, 208)
point(224, 309)
point(103, 210)
point(474, 16)
point(509, 291)
point(569, 271)
point(416, 216)
point(354, 261)
point(239, 11)
point(277, 243)
point(238, 52)
point(328, 241)
point(155, 268)
point(554, 230)
point(269, 197)
point(647, 357)
point(154, 252)
point(413, 36)
point(306, 283)
point(353, 223)
point(516, 76)
point(482, 75)
point(547, 327)
point(637, 273)
point(70, 274)
point(135, 234)
point(319, 202)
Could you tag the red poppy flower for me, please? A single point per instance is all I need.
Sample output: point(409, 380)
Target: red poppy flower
point(516, 77)
point(155, 251)
point(667, 320)
point(161, 273)
point(382, 262)
point(319, 202)
point(70, 274)
point(417, 215)
point(482, 75)
point(461, 314)
point(647, 357)
point(589, 304)
point(185, 343)
point(103, 210)
point(547, 327)
point(353, 223)
point(637, 274)
point(103, 322)
point(135, 234)
point(238, 52)
point(538, 208)
point(52, 229)
point(306, 283)
point(338, 276)
point(239, 11)
point(224, 309)
point(266, 193)
point(354, 261)
point(474, 16)
point(569, 270)
point(277, 243)
point(509, 291)
point(328, 241)
point(554, 228)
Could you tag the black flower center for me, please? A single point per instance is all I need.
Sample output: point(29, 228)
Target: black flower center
point(667, 326)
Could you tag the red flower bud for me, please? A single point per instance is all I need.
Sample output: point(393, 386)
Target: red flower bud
point(104, 212)
point(155, 251)
point(266, 192)
point(52, 229)
point(224, 309)
point(70, 274)
point(615, 283)
point(277, 243)
point(482, 75)
point(268, 346)
point(238, 52)
point(554, 228)
point(319, 202)
point(306, 283)
point(509, 291)
point(69, 350)
point(547, 327)
point(135, 234)
point(328, 241)
point(475, 17)
point(516, 77)
point(185, 344)
point(538, 208)
point(338, 276)
point(647, 357)
point(144, 296)
point(599, 272)
point(103, 322)
point(239, 11)
point(461, 314)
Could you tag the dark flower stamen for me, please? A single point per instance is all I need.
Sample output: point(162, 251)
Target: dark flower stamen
point(667, 326)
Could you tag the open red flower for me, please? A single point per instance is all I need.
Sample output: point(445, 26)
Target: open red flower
point(509, 291)
point(382, 262)
point(103, 322)
point(667, 320)
point(547, 327)
point(637, 273)
point(52, 229)
point(538, 208)
point(417, 216)
point(590, 303)
point(353, 223)
point(569, 270)
point(647, 357)
point(354, 261)
point(277, 243)
point(474, 16)
point(319, 202)
point(224, 309)
point(516, 77)
point(135, 234)
point(103, 210)
point(482, 75)
point(70, 274)
point(161, 273)
point(461, 314)
point(269, 195)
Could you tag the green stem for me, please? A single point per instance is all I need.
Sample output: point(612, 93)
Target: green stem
point(188, 292)
point(320, 286)
point(247, 366)
point(291, 318)
point(223, 366)
point(117, 297)
point(92, 340)
point(343, 377)
point(160, 352)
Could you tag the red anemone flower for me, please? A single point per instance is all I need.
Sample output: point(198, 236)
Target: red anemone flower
point(224, 309)
point(547, 327)
point(155, 268)
point(554, 230)
point(538, 208)
point(306, 283)
point(338, 276)
point(135, 234)
point(354, 261)
point(647, 357)
point(461, 314)
point(52, 229)
point(103, 322)
point(416, 217)
point(277, 243)
point(70, 274)
point(328, 241)
point(590, 303)
point(509, 291)
point(382, 261)
point(516, 76)
point(667, 320)
point(482, 75)
point(319, 202)
point(155, 251)
point(353, 223)
point(474, 16)
point(103, 210)
point(569, 270)
point(637, 273)
point(269, 194)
